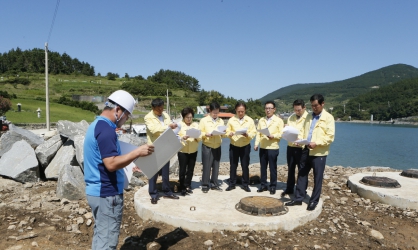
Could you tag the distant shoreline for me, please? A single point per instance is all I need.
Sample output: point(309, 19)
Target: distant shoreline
point(394, 122)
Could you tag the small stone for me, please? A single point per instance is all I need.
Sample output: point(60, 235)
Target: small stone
point(416, 220)
point(317, 247)
point(208, 243)
point(88, 223)
point(35, 244)
point(29, 228)
point(82, 211)
point(80, 220)
point(243, 235)
point(88, 215)
point(376, 234)
point(64, 201)
point(68, 228)
point(28, 185)
point(154, 245)
point(11, 227)
point(365, 223)
point(271, 233)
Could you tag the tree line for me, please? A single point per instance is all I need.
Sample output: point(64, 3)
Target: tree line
point(16, 61)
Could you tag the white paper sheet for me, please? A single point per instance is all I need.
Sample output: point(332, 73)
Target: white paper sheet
point(264, 131)
point(302, 141)
point(241, 131)
point(219, 130)
point(165, 147)
point(177, 129)
point(193, 133)
point(128, 172)
point(290, 133)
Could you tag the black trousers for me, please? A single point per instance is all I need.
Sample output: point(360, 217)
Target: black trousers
point(211, 157)
point(239, 154)
point(152, 185)
point(293, 155)
point(187, 163)
point(307, 162)
point(268, 157)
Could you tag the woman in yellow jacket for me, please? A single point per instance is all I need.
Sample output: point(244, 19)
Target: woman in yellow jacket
point(187, 155)
point(240, 147)
point(211, 148)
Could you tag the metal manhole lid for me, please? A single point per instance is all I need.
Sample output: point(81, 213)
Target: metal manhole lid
point(380, 181)
point(261, 206)
point(411, 173)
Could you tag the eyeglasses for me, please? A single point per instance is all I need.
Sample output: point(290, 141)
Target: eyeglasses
point(188, 117)
point(297, 110)
point(268, 108)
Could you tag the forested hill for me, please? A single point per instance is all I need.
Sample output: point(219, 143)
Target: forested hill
point(338, 92)
point(393, 101)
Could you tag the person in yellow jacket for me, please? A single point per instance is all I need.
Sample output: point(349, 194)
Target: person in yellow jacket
point(269, 146)
point(187, 155)
point(294, 151)
point(240, 147)
point(319, 130)
point(157, 122)
point(211, 148)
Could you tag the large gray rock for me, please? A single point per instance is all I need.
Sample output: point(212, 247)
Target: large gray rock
point(71, 183)
point(71, 129)
point(79, 149)
point(64, 156)
point(20, 163)
point(16, 134)
point(47, 150)
point(133, 139)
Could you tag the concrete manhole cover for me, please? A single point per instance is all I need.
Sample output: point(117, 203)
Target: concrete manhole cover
point(411, 173)
point(378, 181)
point(261, 206)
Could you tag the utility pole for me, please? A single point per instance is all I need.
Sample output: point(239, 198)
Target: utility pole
point(359, 107)
point(168, 105)
point(46, 87)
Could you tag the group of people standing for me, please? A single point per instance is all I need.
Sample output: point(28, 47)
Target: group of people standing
point(104, 162)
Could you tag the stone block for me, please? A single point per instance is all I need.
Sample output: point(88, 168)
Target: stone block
point(71, 183)
point(65, 155)
point(16, 134)
point(47, 150)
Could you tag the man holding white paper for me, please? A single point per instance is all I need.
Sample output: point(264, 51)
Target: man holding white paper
point(319, 129)
point(294, 150)
point(103, 168)
point(269, 146)
point(241, 130)
point(211, 147)
point(157, 122)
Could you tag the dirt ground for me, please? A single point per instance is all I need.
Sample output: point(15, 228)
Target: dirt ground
point(31, 217)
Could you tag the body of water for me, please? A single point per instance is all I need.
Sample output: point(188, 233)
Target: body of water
point(359, 145)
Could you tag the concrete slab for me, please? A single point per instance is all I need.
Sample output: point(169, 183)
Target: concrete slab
point(403, 197)
point(216, 210)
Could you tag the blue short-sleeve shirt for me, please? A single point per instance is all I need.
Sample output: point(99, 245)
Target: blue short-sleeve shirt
point(101, 141)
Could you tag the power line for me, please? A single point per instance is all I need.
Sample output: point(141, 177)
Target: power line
point(53, 19)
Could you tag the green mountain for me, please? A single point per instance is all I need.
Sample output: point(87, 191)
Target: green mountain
point(339, 92)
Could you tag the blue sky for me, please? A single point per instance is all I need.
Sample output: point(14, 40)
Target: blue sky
point(244, 49)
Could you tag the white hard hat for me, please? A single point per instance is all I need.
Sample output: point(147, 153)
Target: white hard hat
point(123, 99)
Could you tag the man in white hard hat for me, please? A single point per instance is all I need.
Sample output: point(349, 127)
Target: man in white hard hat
point(103, 168)
point(157, 122)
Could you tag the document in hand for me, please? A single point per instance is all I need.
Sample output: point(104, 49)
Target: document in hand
point(220, 130)
point(165, 147)
point(241, 131)
point(176, 130)
point(290, 133)
point(264, 131)
point(302, 141)
point(193, 133)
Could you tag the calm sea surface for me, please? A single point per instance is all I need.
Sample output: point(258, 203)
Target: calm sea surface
point(360, 145)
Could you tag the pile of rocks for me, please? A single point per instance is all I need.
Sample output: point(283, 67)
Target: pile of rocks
point(27, 157)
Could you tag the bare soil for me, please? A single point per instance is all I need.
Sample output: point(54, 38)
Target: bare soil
point(346, 222)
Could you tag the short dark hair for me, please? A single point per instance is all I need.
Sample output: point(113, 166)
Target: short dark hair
point(239, 104)
point(187, 111)
point(317, 97)
point(157, 103)
point(299, 102)
point(270, 102)
point(213, 106)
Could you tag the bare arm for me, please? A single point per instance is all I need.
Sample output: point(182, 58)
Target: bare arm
point(114, 163)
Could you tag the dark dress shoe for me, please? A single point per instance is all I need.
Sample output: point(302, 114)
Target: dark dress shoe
point(205, 189)
point(154, 200)
point(262, 189)
point(311, 206)
point(272, 191)
point(171, 196)
point(246, 189)
point(183, 192)
point(188, 190)
point(293, 203)
point(216, 188)
point(229, 188)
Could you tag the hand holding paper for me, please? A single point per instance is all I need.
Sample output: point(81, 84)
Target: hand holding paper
point(241, 131)
point(290, 134)
point(220, 130)
point(302, 141)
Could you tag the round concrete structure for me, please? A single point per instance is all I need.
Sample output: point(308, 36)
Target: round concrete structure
point(403, 197)
point(216, 210)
